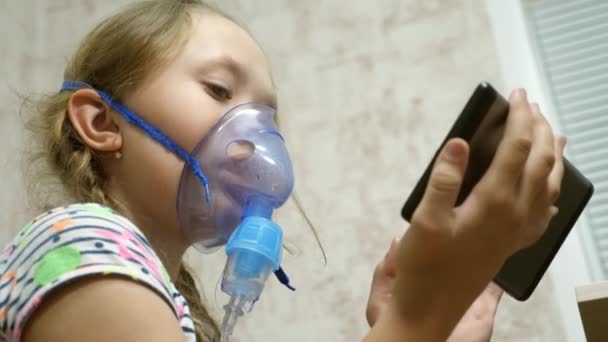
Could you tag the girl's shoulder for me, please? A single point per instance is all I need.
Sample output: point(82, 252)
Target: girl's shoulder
point(72, 242)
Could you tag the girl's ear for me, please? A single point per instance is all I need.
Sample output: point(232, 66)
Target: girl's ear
point(93, 121)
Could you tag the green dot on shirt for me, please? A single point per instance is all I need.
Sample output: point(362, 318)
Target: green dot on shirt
point(57, 262)
point(100, 211)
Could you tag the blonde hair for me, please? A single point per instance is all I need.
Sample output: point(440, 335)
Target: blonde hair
point(114, 57)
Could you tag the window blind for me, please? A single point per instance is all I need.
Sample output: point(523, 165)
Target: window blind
point(571, 38)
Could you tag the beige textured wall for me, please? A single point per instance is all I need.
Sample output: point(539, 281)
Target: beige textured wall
point(367, 89)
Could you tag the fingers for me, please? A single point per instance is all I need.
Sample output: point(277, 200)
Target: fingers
point(544, 202)
point(494, 291)
point(392, 251)
point(557, 174)
point(537, 228)
point(515, 147)
point(540, 162)
point(444, 183)
point(386, 270)
point(388, 266)
point(391, 258)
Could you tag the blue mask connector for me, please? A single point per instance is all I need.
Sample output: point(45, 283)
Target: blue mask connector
point(254, 250)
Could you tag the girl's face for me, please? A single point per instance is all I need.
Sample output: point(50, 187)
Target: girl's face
point(220, 66)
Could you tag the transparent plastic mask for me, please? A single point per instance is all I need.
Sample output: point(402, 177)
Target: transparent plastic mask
point(244, 157)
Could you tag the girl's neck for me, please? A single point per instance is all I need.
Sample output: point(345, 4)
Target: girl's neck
point(167, 243)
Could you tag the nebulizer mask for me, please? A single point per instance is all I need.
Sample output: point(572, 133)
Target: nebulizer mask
point(232, 181)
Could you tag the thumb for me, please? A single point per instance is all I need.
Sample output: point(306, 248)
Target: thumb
point(445, 180)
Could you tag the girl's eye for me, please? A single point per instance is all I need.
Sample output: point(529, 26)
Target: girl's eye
point(218, 92)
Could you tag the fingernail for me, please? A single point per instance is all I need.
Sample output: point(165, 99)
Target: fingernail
point(562, 140)
point(535, 108)
point(454, 151)
point(394, 243)
point(519, 94)
point(396, 240)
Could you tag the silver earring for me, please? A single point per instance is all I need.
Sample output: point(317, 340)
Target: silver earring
point(117, 154)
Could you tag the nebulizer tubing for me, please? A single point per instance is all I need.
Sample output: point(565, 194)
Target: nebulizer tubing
point(254, 251)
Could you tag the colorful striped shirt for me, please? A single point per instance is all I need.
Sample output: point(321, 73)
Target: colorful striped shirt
point(72, 242)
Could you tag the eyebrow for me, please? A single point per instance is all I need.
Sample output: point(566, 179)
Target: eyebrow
point(230, 64)
point(238, 70)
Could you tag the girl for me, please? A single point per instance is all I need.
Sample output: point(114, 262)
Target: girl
point(145, 86)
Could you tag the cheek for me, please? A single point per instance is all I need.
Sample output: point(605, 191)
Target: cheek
point(185, 113)
point(153, 171)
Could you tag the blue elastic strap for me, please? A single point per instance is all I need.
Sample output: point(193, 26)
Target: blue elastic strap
point(152, 130)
